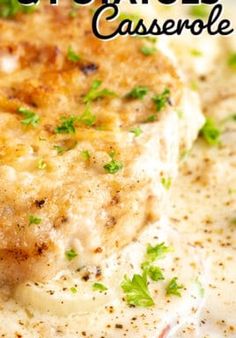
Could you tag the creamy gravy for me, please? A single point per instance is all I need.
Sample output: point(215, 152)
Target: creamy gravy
point(200, 228)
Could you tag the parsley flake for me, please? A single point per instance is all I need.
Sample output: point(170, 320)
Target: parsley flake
point(158, 251)
point(184, 154)
point(138, 92)
point(136, 291)
point(137, 131)
point(199, 11)
point(66, 126)
point(210, 132)
point(71, 254)
point(9, 8)
point(153, 272)
point(74, 10)
point(150, 39)
point(30, 117)
point(41, 164)
point(196, 52)
point(173, 288)
point(113, 166)
point(232, 191)
point(73, 289)
point(60, 150)
point(95, 93)
point(99, 287)
point(72, 56)
point(85, 155)
point(151, 118)
point(129, 16)
point(200, 287)
point(193, 85)
point(148, 50)
point(87, 118)
point(180, 114)
point(161, 100)
point(34, 219)
point(72, 13)
point(232, 60)
point(166, 182)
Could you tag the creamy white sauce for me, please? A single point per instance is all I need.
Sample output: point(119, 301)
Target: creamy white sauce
point(200, 229)
point(203, 209)
point(91, 312)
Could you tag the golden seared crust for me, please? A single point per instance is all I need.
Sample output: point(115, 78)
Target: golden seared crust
point(45, 78)
point(79, 204)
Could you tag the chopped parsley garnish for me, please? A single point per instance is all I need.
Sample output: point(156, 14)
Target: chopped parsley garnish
point(150, 39)
point(66, 126)
point(95, 93)
point(158, 251)
point(9, 8)
point(232, 191)
point(137, 131)
point(166, 182)
point(200, 287)
point(99, 287)
point(133, 17)
point(210, 132)
point(30, 117)
point(71, 254)
point(232, 60)
point(72, 13)
point(153, 253)
point(112, 154)
point(85, 155)
point(41, 164)
point(199, 11)
point(151, 118)
point(74, 10)
point(173, 288)
point(136, 291)
point(113, 166)
point(180, 114)
point(60, 150)
point(161, 100)
point(87, 118)
point(196, 52)
point(72, 56)
point(148, 50)
point(34, 219)
point(184, 154)
point(138, 92)
point(93, 10)
point(153, 272)
point(193, 85)
point(73, 289)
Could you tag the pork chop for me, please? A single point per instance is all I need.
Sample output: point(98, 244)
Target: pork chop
point(91, 134)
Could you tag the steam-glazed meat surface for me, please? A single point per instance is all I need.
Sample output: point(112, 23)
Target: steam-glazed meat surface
point(83, 165)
